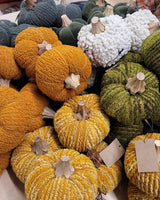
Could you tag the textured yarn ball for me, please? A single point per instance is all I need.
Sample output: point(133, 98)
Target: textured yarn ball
point(44, 183)
point(8, 66)
point(43, 14)
point(150, 51)
point(31, 149)
point(148, 182)
point(85, 134)
point(119, 102)
point(4, 158)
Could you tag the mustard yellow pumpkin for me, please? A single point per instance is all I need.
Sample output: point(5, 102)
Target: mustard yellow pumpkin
point(30, 44)
point(36, 144)
point(4, 158)
point(63, 72)
point(80, 123)
point(67, 174)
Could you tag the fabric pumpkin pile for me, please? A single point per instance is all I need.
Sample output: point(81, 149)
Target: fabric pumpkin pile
point(71, 81)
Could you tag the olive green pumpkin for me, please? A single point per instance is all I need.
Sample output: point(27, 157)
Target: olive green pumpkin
point(133, 57)
point(120, 99)
point(150, 51)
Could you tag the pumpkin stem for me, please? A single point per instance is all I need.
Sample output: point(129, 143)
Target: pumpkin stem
point(48, 113)
point(5, 82)
point(30, 4)
point(132, 4)
point(97, 26)
point(40, 146)
point(65, 21)
point(44, 46)
point(64, 2)
point(136, 84)
point(95, 157)
point(63, 167)
point(154, 26)
point(100, 3)
point(157, 143)
point(108, 11)
point(72, 81)
point(82, 112)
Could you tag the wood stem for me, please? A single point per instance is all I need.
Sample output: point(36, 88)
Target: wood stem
point(30, 4)
point(100, 3)
point(97, 26)
point(40, 146)
point(44, 46)
point(72, 81)
point(82, 112)
point(48, 113)
point(65, 21)
point(5, 82)
point(108, 11)
point(95, 157)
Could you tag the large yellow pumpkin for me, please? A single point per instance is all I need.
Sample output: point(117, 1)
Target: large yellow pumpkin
point(66, 175)
point(80, 123)
point(63, 72)
point(108, 177)
point(30, 43)
point(36, 144)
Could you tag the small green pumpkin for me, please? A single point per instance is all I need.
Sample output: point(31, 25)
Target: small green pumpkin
point(133, 57)
point(128, 92)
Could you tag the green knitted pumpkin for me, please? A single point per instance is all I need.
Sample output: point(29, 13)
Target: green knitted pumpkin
point(124, 133)
point(150, 51)
point(133, 57)
point(122, 9)
point(128, 92)
point(68, 33)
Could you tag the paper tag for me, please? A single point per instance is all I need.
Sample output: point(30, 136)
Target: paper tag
point(112, 153)
point(146, 156)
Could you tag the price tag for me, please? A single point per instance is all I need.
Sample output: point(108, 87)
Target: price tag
point(146, 156)
point(112, 153)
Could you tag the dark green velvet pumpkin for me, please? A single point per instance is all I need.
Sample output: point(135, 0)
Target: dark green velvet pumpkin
point(121, 102)
point(96, 12)
point(150, 51)
point(123, 9)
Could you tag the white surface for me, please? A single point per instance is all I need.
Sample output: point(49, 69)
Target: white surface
point(11, 16)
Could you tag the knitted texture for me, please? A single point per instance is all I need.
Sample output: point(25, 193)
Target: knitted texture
point(54, 66)
point(26, 49)
point(138, 23)
point(135, 194)
point(14, 31)
point(124, 133)
point(72, 11)
point(4, 158)
point(42, 183)
point(81, 135)
point(8, 66)
point(156, 116)
point(108, 177)
point(150, 52)
point(133, 57)
point(23, 157)
point(148, 182)
point(119, 102)
point(106, 48)
point(43, 14)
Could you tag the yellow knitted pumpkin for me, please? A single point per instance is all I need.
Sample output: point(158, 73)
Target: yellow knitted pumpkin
point(136, 194)
point(80, 123)
point(66, 175)
point(108, 177)
point(8, 66)
point(63, 72)
point(36, 144)
point(30, 44)
point(4, 161)
point(148, 182)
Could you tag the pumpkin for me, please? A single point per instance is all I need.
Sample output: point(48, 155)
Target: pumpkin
point(79, 3)
point(72, 11)
point(91, 4)
point(36, 144)
point(148, 182)
point(77, 180)
point(135, 194)
point(68, 33)
point(124, 133)
point(141, 24)
point(84, 124)
point(129, 92)
point(62, 72)
point(39, 13)
point(133, 57)
point(8, 66)
point(150, 52)
point(122, 9)
point(104, 48)
point(108, 177)
point(30, 43)
point(4, 158)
